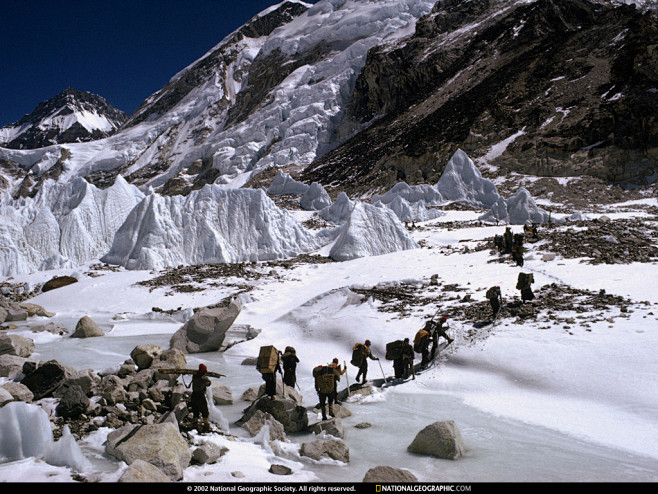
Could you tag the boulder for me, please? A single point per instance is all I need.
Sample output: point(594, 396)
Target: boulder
point(318, 449)
point(159, 444)
point(142, 471)
point(5, 397)
point(259, 420)
point(73, 403)
point(221, 394)
point(291, 415)
point(280, 470)
point(35, 310)
point(207, 453)
point(18, 391)
point(143, 355)
point(250, 394)
point(11, 366)
point(14, 344)
point(87, 328)
point(440, 439)
point(205, 330)
point(112, 390)
point(384, 474)
point(332, 426)
point(58, 282)
point(45, 379)
point(13, 312)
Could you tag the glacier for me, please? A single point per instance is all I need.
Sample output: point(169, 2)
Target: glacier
point(64, 225)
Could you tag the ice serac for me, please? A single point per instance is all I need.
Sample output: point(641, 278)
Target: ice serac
point(411, 202)
point(370, 231)
point(210, 225)
point(462, 182)
point(283, 183)
point(519, 209)
point(64, 225)
point(25, 432)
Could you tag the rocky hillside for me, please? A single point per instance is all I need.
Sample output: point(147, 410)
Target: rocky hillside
point(70, 116)
point(563, 87)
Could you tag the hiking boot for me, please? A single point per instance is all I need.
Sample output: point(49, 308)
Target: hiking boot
point(331, 412)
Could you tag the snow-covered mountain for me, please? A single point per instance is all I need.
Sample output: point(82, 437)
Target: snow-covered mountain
point(390, 102)
point(354, 92)
point(70, 116)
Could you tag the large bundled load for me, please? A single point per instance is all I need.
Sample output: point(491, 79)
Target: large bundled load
point(267, 359)
point(324, 379)
point(358, 354)
point(421, 340)
point(394, 350)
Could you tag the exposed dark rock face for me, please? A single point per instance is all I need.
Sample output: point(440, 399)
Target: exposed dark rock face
point(576, 80)
point(46, 125)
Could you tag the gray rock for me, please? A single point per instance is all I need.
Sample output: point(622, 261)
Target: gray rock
point(14, 344)
point(250, 394)
point(73, 403)
point(205, 330)
point(221, 394)
point(250, 361)
point(259, 420)
point(87, 328)
point(160, 444)
point(112, 390)
point(384, 474)
point(143, 355)
point(35, 310)
point(208, 453)
point(318, 449)
point(11, 366)
point(13, 312)
point(292, 416)
point(19, 391)
point(5, 397)
point(363, 425)
point(332, 426)
point(280, 470)
point(440, 439)
point(142, 471)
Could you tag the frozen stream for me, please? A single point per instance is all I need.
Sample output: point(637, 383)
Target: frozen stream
point(498, 449)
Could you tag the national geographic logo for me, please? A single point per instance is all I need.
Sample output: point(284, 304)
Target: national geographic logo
point(422, 488)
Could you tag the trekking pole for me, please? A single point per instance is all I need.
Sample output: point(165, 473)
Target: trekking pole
point(382, 369)
point(347, 378)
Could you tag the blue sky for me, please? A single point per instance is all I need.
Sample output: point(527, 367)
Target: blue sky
point(121, 50)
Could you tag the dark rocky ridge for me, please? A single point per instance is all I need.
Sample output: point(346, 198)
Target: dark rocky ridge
point(65, 103)
point(579, 78)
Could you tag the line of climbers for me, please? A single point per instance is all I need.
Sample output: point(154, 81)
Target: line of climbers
point(326, 377)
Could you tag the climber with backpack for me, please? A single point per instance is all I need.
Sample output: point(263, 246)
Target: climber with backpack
point(325, 385)
point(360, 355)
point(422, 342)
point(437, 332)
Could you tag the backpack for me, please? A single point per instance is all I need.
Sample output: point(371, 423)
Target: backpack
point(324, 379)
point(394, 350)
point(267, 359)
point(524, 281)
point(358, 354)
point(421, 340)
point(492, 292)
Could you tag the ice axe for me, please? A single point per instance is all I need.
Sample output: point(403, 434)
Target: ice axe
point(347, 378)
